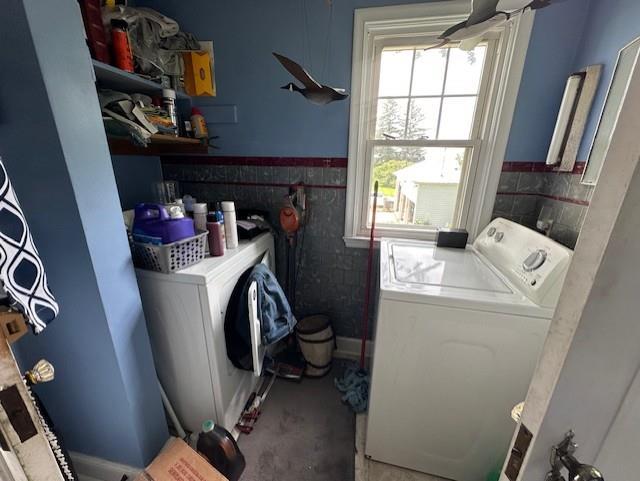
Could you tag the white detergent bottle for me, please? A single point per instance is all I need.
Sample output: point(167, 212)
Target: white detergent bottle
point(230, 225)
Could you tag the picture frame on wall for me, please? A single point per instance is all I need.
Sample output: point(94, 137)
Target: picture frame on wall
point(625, 65)
point(572, 119)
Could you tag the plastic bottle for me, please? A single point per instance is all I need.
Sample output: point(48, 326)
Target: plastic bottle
point(198, 124)
point(219, 447)
point(188, 202)
point(200, 216)
point(123, 58)
point(230, 226)
point(169, 104)
point(216, 236)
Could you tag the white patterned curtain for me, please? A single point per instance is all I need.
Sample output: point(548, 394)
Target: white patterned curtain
point(21, 270)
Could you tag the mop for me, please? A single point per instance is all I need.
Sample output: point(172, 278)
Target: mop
point(354, 383)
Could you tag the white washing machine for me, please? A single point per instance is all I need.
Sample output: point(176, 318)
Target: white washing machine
point(457, 338)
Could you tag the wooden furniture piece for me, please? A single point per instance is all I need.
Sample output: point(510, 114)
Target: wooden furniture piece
point(25, 454)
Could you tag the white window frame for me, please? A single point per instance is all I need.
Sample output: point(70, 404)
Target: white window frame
point(372, 27)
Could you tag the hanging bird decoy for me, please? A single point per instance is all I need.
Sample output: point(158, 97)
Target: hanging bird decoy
point(484, 16)
point(313, 91)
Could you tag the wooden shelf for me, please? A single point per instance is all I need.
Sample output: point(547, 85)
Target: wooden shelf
point(159, 145)
point(112, 77)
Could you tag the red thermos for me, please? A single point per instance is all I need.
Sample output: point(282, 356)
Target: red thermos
point(122, 55)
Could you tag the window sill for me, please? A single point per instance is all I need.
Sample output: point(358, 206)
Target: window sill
point(361, 242)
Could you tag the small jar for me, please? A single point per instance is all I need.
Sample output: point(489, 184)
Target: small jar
point(200, 216)
point(169, 104)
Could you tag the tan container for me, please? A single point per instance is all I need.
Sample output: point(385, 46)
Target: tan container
point(317, 342)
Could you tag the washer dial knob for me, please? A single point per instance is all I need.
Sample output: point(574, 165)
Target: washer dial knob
point(499, 236)
point(491, 231)
point(534, 260)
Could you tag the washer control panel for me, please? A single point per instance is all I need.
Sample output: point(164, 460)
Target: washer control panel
point(534, 260)
point(535, 263)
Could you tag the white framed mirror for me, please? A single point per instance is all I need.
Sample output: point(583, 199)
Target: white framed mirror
point(625, 65)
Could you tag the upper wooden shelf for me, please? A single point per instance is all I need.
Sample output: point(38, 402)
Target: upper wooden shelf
point(116, 79)
point(159, 145)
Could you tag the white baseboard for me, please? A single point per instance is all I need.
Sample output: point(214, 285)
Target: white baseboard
point(349, 348)
point(90, 468)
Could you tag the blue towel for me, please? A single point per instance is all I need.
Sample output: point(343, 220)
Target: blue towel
point(354, 385)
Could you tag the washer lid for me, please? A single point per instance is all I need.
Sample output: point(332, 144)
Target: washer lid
point(428, 265)
point(418, 271)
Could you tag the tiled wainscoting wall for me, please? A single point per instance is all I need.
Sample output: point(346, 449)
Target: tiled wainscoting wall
point(331, 277)
point(529, 191)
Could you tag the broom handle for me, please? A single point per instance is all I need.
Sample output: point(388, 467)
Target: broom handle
point(367, 292)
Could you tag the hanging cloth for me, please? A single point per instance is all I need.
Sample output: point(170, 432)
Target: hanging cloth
point(21, 270)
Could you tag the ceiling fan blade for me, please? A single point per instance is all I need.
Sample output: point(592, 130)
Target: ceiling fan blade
point(482, 10)
point(297, 71)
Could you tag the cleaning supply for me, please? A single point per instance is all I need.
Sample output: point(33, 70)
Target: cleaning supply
point(188, 202)
point(200, 215)
point(169, 104)
point(230, 227)
point(153, 220)
point(198, 124)
point(219, 447)
point(216, 236)
point(120, 44)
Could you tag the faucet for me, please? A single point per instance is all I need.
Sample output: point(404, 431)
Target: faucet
point(562, 456)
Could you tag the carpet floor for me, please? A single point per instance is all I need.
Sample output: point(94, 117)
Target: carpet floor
point(303, 434)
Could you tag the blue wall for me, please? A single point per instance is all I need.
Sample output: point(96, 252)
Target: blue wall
point(273, 122)
point(553, 48)
point(135, 176)
point(611, 25)
point(105, 398)
point(566, 38)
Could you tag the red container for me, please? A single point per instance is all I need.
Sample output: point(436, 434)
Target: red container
point(93, 26)
point(122, 57)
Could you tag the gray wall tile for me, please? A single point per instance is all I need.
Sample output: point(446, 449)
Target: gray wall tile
point(331, 277)
point(508, 182)
point(567, 216)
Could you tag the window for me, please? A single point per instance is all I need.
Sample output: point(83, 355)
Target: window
point(424, 122)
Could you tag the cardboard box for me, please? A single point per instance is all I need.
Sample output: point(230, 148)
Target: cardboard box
point(198, 77)
point(178, 462)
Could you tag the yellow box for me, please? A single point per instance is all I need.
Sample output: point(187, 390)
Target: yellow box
point(198, 76)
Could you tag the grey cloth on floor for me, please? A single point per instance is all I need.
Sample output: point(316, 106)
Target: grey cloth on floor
point(305, 433)
point(354, 384)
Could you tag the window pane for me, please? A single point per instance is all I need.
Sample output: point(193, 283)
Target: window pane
point(457, 117)
point(391, 118)
point(423, 119)
point(395, 73)
point(428, 72)
point(465, 71)
point(417, 186)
